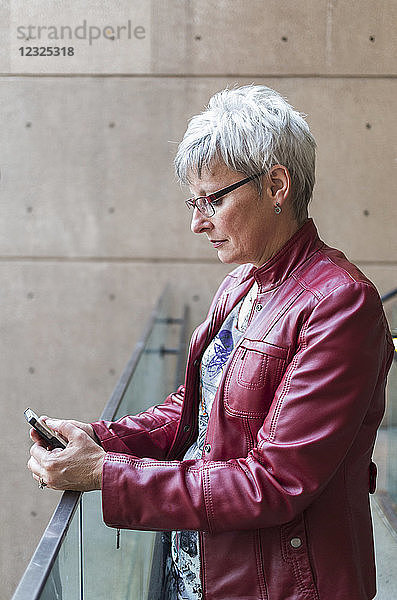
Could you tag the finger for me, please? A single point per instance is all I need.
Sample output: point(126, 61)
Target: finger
point(34, 467)
point(53, 423)
point(37, 438)
point(66, 428)
point(53, 451)
point(39, 452)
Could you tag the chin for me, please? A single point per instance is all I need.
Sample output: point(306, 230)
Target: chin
point(229, 259)
point(224, 258)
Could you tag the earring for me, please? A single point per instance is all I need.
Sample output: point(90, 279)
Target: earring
point(277, 208)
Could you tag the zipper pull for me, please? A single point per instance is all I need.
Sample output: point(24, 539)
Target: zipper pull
point(118, 539)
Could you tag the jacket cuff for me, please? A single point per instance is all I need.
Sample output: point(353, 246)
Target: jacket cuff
point(116, 511)
point(110, 495)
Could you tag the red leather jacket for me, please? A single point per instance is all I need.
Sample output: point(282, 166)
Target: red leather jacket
point(280, 495)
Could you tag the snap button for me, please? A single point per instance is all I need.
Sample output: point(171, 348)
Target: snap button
point(258, 307)
point(207, 448)
point(296, 542)
point(196, 362)
point(186, 428)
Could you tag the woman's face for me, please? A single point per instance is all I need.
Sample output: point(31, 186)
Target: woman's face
point(244, 228)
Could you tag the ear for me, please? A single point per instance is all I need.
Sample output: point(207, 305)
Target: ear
point(279, 184)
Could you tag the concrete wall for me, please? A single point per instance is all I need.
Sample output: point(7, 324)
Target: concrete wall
point(93, 223)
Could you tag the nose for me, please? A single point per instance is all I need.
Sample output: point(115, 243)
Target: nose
point(200, 223)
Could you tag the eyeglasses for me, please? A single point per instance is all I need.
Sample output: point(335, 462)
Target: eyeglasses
point(205, 203)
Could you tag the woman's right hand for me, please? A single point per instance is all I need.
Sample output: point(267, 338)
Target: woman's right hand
point(76, 467)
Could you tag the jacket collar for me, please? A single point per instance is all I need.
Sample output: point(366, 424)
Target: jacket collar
point(294, 253)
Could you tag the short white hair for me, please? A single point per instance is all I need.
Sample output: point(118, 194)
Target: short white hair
point(250, 129)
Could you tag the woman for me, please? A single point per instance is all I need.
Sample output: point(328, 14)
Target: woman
point(260, 465)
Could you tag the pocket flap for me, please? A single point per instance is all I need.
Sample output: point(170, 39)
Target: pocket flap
point(264, 348)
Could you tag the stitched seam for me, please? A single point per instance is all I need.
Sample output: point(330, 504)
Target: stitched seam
point(231, 411)
point(282, 310)
point(307, 591)
point(120, 458)
point(316, 293)
point(300, 579)
point(239, 413)
point(227, 382)
point(208, 499)
point(289, 558)
point(247, 431)
point(345, 285)
point(211, 499)
point(297, 575)
point(234, 411)
point(325, 256)
point(292, 557)
point(124, 458)
point(341, 268)
point(262, 374)
point(274, 421)
point(284, 545)
point(203, 567)
point(259, 564)
point(264, 344)
point(273, 425)
point(218, 464)
point(309, 555)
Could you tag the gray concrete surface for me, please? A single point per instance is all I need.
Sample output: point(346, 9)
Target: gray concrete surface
point(236, 37)
point(92, 223)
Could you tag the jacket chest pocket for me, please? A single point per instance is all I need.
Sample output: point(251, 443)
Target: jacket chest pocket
point(254, 373)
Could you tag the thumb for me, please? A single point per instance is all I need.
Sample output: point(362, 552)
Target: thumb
point(65, 428)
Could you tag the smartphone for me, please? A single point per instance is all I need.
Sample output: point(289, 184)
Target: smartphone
point(47, 435)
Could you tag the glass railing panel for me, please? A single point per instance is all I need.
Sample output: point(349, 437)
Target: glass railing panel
point(110, 571)
point(151, 383)
point(123, 572)
point(64, 580)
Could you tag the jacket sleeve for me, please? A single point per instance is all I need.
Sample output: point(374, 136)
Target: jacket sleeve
point(327, 395)
point(149, 433)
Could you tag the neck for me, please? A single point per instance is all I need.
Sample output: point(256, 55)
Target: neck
point(281, 236)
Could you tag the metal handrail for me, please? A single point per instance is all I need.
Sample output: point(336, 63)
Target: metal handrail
point(36, 574)
point(35, 577)
point(389, 295)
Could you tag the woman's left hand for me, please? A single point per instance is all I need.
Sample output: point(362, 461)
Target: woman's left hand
point(77, 467)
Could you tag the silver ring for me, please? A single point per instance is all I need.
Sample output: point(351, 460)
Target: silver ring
point(42, 484)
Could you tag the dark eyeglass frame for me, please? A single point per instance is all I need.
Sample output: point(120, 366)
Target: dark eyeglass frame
point(207, 209)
